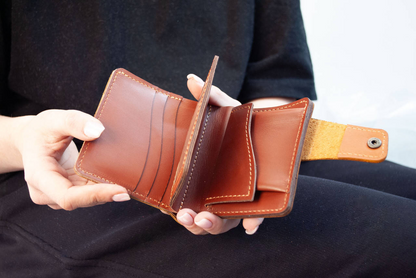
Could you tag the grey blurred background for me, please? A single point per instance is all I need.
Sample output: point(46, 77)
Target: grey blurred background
point(364, 57)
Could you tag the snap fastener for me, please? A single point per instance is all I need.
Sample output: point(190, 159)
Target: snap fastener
point(374, 143)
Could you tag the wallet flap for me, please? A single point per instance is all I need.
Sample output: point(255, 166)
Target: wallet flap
point(276, 137)
point(181, 181)
point(145, 130)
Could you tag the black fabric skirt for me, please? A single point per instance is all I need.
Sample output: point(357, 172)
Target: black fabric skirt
point(349, 219)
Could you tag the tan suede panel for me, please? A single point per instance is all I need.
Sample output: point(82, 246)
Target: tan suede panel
point(326, 140)
point(323, 140)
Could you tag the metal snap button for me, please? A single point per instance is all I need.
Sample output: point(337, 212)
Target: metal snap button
point(374, 143)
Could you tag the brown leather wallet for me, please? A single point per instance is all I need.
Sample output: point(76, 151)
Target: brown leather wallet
point(173, 153)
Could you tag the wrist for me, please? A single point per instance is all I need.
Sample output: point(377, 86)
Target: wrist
point(10, 142)
point(17, 134)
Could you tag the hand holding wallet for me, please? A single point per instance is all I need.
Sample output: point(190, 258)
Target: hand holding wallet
point(235, 162)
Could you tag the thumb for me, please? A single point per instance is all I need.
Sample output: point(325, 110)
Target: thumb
point(64, 123)
point(92, 194)
point(217, 97)
point(69, 197)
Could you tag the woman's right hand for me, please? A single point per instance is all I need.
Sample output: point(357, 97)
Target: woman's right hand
point(48, 156)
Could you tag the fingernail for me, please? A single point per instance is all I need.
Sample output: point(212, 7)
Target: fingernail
point(93, 129)
point(122, 197)
point(252, 232)
point(204, 223)
point(196, 78)
point(164, 212)
point(186, 219)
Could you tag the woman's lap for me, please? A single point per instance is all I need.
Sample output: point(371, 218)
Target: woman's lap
point(336, 228)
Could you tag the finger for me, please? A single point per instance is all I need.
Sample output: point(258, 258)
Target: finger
point(164, 212)
point(69, 157)
point(36, 172)
point(69, 197)
point(55, 207)
point(93, 194)
point(186, 218)
point(214, 224)
point(217, 97)
point(63, 123)
point(48, 182)
point(252, 225)
point(39, 197)
point(37, 169)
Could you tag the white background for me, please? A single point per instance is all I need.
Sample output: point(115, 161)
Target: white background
point(364, 58)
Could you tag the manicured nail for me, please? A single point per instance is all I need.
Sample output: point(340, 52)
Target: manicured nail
point(196, 78)
point(122, 197)
point(164, 212)
point(186, 219)
point(252, 232)
point(204, 223)
point(93, 129)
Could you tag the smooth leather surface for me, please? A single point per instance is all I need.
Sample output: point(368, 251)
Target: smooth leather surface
point(354, 144)
point(171, 152)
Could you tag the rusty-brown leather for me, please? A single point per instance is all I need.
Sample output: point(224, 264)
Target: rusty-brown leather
point(174, 153)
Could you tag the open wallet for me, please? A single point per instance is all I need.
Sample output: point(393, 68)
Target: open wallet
point(236, 162)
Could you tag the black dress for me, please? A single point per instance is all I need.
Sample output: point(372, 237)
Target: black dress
point(349, 218)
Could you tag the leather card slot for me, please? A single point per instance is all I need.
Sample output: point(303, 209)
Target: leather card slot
point(167, 153)
point(204, 157)
point(275, 137)
point(273, 203)
point(155, 146)
point(121, 113)
point(180, 182)
point(265, 204)
point(183, 119)
point(235, 163)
